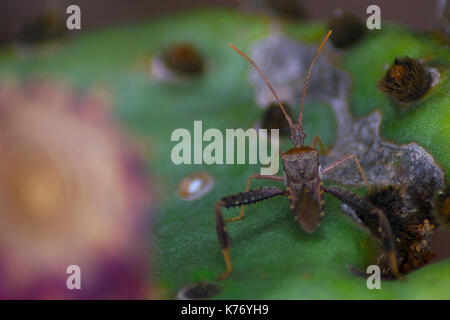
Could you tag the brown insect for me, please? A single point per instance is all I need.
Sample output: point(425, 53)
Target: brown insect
point(302, 176)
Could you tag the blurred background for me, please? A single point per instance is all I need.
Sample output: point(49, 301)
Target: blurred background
point(419, 14)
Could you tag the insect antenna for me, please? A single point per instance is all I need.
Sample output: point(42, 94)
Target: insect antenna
point(300, 117)
point(289, 120)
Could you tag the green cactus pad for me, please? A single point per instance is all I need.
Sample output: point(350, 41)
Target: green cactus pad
point(272, 257)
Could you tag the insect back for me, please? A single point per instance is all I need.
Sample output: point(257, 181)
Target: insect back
point(305, 194)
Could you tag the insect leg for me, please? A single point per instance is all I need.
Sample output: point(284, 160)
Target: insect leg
point(342, 160)
point(363, 207)
point(235, 200)
point(253, 176)
point(322, 149)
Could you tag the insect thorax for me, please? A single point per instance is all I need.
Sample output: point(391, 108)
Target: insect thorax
point(301, 164)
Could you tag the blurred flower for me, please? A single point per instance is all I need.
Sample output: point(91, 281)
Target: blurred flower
point(72, 192)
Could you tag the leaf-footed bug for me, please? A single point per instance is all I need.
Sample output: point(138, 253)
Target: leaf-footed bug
point(302, 176)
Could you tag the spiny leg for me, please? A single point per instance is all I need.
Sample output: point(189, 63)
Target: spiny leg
point(341, 161)
point(365, 207)
point(322, 149)
point(240, 199)
point(253, 176)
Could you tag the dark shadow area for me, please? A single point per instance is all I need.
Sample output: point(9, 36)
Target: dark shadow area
point(15, 14)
